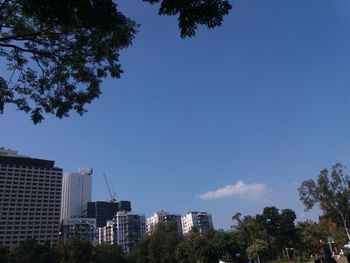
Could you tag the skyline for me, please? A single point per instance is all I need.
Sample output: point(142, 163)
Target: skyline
point(258, 192)
point(260, 103)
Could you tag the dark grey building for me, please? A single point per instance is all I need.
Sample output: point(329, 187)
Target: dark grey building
point(104, 211)
point(30, 199)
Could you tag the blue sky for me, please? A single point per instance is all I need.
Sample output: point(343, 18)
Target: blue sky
point(250, 109)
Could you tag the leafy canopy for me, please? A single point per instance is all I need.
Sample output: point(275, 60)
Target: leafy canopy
point(331, 191)
point(58, 52)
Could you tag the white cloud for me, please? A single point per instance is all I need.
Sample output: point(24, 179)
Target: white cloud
point(254, 190)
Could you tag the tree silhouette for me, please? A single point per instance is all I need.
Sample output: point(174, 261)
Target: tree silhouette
point(58, 52)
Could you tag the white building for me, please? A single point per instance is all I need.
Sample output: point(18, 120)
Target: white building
point(125, 230)
point(202, 221)
point(106, 234)
point(162, 217)
point(76, 192)
point(83, 228)
point(30, 199)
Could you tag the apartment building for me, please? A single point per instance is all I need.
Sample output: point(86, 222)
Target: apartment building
point(202, 221)
point(82, 228)
point(125, 230)
point(162, 217)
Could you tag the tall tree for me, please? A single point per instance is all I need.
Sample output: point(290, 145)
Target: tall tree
point(331, 191)
point(257, 248)
point(247, 226)
point(58, 52)
point(29, 251)
point(163, 242)
point(275, 228)
point(4, 254)
point(107, 253)
point(207, 248)
point(288, 234)
point(224, 244)
point(74, 251)
point(310, 235)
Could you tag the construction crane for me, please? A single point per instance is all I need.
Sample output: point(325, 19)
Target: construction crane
point(111, 194)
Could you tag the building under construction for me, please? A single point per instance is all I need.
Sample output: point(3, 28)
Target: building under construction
point(104, 211)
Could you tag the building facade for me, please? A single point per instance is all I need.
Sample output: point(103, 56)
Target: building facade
point(104, 211)
point(76, 193)
point(30, 199)
point(162, 217)
point(126, 230)
point(83, 228)
point(202, 221)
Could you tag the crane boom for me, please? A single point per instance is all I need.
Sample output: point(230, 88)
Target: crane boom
point(111, 194)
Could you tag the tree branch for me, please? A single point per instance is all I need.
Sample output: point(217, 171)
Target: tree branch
point(3, 5)
point(20, 48)
point(25, 36)
point(44, 72)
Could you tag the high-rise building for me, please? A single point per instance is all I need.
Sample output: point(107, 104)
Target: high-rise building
point(76, 193)
point(125, 230)
point(202, 221)
point(30, 199)
point(83, 228)
point(162, 217)
point(124, 206)
point(104, 211)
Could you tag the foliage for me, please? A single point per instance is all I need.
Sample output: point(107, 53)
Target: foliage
point(107, 253)
point(247, 227)
point(4, 255)
point(207, 248)
point(265, 236)
point(331, 192)
point(159, 247)
point(225, 244)
point(273, 228)
point(30, 251)
point(311, 233)
point(141, 254)
point(259, 246)
point(163, 242)
point(192, 13)
point(58, 52)
point(74, 251)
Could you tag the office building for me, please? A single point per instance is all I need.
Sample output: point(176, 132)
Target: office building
point(104, 211)
point(83, 228)
point(76, 193)
point(202, 221)
point(162, 217)
point(30, 199)
point(125, 230)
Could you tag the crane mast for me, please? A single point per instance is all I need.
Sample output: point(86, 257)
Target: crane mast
point(111, 194)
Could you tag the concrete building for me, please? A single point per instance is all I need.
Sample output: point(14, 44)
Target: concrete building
point(30, 199)
point(83, 228)
point(125, 230)
point(104, 211)
point(202, 221)
point(162, 217)
point(76, 193)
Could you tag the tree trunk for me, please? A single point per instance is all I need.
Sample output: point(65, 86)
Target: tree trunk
point(347, 232)
point(346, 228)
